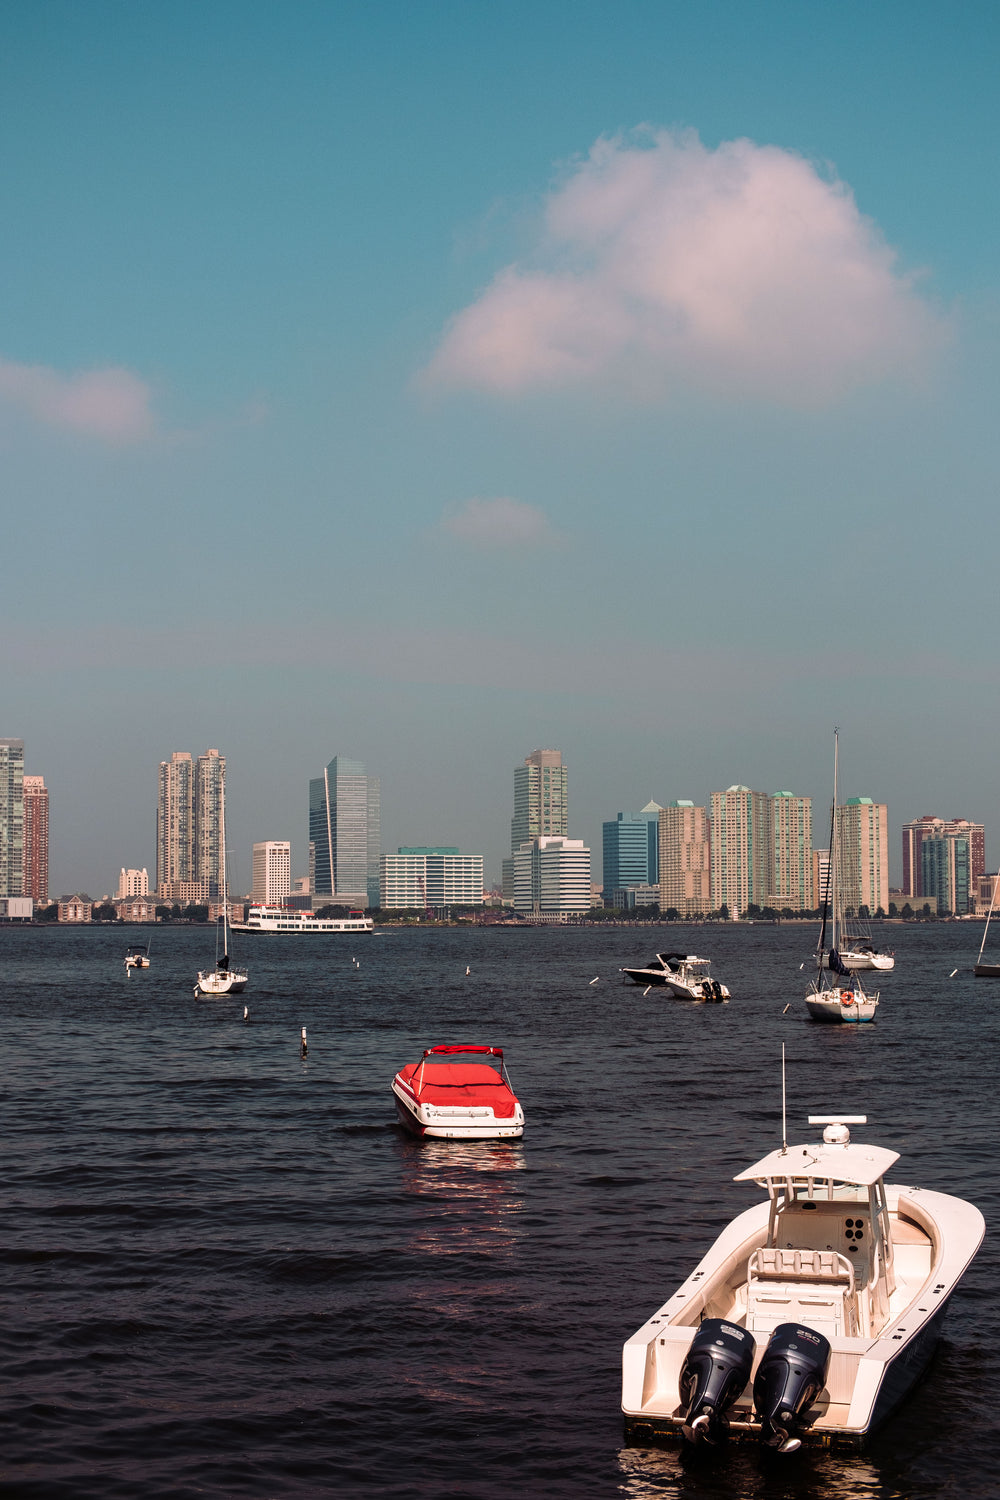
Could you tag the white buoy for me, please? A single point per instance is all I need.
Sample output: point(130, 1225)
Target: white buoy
point(646, 991)
point(246, 1013)
point(595, 979)
point(467, 969)
point(953, 973)
point(786, 1007)
point(802, 966)
point(305, 1044)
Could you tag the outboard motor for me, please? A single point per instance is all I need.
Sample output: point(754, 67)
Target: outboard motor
point(713, 1376)
point(789, 1378)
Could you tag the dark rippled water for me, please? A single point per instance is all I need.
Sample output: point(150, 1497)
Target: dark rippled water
point(226, 1272)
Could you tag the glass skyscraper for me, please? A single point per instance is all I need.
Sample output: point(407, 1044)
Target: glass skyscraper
point(345, 833)
point(631, 850)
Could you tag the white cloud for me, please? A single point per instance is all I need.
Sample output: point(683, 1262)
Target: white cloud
point(664, 264)
point(499, 523)
point(112, 404)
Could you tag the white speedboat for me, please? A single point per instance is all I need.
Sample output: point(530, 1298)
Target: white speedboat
point(684, 974)
point(450, 1096)
point(137, 956)
point(277, 920)
point(814, 1312)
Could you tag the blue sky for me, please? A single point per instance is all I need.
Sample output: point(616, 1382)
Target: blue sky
point(427, 383)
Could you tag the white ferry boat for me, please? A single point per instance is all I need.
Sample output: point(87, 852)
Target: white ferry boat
point(277, 919)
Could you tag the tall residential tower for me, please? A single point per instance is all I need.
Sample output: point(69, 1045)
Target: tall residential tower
point(190, 827)
point(36, 840)
point(11, 817)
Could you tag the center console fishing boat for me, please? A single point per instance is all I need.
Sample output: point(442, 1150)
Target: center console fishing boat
point(684, 974)
point(814, 1312)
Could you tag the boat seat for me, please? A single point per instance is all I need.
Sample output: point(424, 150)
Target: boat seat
point(814, 1287)
point(772, 1263)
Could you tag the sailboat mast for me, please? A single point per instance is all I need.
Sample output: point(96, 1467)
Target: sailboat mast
point(832, 882)
point(821, 947)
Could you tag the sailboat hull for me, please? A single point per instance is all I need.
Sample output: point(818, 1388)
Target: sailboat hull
point(842, 1007)
point(987, 971)
point(221, 982)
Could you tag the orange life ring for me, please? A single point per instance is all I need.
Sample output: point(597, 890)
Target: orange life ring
point(847, 998)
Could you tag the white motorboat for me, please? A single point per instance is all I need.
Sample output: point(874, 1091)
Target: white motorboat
point(276, 919)
point(836, 994)
point(451, 1099)
point(137, 956)
point(814, 1312)
point(684, 974)
point(226, 978)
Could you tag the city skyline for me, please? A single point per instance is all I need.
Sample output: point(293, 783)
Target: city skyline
point(435, 355)
point(780, 816)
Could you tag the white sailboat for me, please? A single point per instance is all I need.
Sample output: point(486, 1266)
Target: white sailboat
point(837, 994)
point(225, 978)
point(987, 970)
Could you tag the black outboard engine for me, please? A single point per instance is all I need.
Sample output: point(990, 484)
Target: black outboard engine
point(789, 1378)
point(713, 1376)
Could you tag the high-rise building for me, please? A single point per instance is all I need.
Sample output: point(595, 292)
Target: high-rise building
point(414, 878)
point(209, 825)
point(631, 850)
point(930, 826)
point(133, 883)
point(821, 877)
point(685, 859)
point(36, 839)
point(945, 866)
point(190, 827)
point(863, 855)
point(739, 849)
point(790, 858)
point(345, 833)
point(540, 798)
point(272, 871)
point(11, 817)
point(552, 877)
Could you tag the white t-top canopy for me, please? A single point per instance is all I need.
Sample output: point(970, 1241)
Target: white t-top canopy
point(856, 1164)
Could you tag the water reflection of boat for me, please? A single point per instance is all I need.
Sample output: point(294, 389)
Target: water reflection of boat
point(449, 1096)
point(470, 1196)
point(830, 1294)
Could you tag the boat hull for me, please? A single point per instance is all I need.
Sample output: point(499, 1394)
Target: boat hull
point(987, 971)
point(454, 1124)
point(842, 1007)
point(216, 984)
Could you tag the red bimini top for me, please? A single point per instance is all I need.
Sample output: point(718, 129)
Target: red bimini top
point(458, 1084)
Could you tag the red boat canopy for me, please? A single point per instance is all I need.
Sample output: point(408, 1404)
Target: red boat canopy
point(452, 1048)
